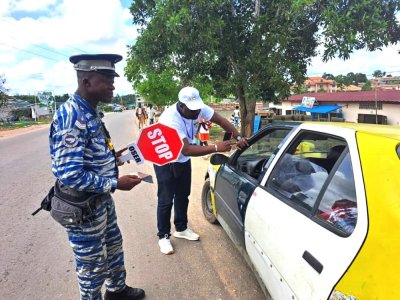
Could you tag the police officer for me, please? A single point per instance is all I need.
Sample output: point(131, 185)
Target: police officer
point(85, 163)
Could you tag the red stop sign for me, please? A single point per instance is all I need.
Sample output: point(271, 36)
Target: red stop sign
point(159, 144)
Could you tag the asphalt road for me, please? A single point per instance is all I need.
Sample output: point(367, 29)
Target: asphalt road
point(35, 258)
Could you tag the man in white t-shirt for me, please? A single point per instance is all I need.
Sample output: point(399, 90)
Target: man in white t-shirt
point(174, 179)
point(150, 113)
point(236, 116)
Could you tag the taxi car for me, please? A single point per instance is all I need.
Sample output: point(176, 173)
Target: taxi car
point(314, 207)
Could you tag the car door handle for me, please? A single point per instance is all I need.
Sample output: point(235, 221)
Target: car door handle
point(313, 262)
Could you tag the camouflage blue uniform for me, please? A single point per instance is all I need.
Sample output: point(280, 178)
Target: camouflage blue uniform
point(83, 159)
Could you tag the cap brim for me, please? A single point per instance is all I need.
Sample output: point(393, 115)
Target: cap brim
point(107, 72)
point(195, 105)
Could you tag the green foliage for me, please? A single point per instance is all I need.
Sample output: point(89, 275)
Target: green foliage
point(224, 47)
point(159, 89)
point(378, 74)
point(124, 100)
point(353, 25)
point(62, 98)
point(328, 76)
point(29, 98)
point(367, 86)
point(3, 91)
point(300, 90)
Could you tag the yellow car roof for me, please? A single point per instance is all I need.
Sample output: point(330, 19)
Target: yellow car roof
point(389, 131)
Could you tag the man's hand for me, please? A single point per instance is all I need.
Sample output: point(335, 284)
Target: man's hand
point(242, 143)
point(118, 154)
point(128, 182)
point(224, 146)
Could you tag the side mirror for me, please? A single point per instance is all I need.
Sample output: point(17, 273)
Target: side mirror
point(218, 159)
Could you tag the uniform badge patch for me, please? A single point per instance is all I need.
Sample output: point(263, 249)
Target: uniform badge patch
point(80, 122)
point(70, 140)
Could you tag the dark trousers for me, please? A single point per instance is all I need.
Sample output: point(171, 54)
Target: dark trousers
point(173, 182)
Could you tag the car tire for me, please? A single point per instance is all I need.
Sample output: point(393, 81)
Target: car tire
point(206, 203)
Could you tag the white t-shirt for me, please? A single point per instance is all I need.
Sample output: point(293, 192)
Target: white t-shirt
point(186, 128)
point(150, 112)
point(236, 113)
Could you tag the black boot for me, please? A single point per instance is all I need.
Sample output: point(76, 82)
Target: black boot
point(128, 293)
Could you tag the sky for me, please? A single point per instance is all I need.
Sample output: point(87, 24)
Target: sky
point(37, 37)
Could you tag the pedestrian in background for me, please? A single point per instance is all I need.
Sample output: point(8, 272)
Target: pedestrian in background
point(236, 116)
point(85, 164)
point(174, 179)
point(203, 131)
point(141, 115)
point(150, 113)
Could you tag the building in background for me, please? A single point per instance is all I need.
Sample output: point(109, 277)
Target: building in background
point(375, 107)
point(318, 84)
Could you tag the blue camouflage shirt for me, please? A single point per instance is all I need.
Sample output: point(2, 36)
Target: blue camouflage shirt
point(81, 157)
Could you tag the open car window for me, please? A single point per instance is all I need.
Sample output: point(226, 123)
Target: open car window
point(252, 161)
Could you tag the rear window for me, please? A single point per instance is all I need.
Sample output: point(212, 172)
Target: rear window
point(315, 176)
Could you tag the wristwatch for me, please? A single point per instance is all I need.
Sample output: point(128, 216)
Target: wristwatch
point(239, 137)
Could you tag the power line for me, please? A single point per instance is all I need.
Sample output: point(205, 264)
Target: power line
point(46, 57)
point(41, 47)
point(81, 51)
point(48, 49)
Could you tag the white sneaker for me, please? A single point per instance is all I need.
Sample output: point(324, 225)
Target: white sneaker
point(187, 234)
point(165, 246)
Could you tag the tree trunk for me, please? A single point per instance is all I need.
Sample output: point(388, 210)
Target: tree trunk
point(247, 111)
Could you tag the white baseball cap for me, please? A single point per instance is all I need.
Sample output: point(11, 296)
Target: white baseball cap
point(191, 98)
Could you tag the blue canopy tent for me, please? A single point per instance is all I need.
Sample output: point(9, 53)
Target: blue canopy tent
point(321, 109)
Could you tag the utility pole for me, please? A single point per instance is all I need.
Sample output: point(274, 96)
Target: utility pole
point(36, 111)
point(376, 107)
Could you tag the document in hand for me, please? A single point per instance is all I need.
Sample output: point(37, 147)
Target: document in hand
point(145, 177)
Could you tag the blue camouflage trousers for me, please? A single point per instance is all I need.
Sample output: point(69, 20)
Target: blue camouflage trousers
point(98, 253)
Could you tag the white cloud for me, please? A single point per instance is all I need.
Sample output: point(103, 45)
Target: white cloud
point(38, 36)
point(31, 6)
point(360, 61)
point(72, 27)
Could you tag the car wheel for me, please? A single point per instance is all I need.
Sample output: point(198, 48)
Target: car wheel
point(206, 203)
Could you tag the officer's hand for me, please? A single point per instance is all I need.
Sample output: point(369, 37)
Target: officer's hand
point(128, 182)
point(225, 146)
point(243, 143)
point(118, 154)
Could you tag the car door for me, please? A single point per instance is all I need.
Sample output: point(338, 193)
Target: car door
point(237, 179)
point(294, 237)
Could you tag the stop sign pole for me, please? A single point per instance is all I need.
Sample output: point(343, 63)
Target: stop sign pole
point(157, 143)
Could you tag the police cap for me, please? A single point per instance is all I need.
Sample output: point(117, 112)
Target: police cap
point(100, 63)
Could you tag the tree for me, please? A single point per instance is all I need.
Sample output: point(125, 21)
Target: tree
point(328, 76)
point(62, 98)
point(253, 52)
point(3, 91)
point(159, 89)
point(378, 74)
point(360, 77)
point(367, 86)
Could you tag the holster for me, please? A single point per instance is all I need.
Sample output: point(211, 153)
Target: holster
point(73, 207)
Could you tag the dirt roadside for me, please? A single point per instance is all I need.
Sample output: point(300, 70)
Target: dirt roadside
point(7, 133)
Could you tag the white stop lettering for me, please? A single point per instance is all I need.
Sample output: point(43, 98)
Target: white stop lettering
point(162, 148)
